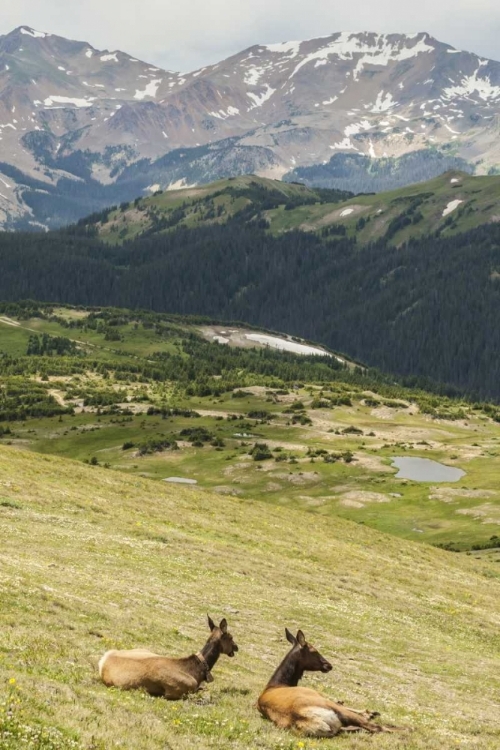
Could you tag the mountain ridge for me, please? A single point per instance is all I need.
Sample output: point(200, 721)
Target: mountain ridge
point(114, 126)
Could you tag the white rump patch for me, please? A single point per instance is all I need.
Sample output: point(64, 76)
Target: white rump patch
point(324, 721)
point(102, 661)
point(452, 206)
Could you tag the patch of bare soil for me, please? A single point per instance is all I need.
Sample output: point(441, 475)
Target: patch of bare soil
point(9, 321)
point(273, 487)
point(449, 494)
point(486, 513)
point(135, 408)
point(359, 499)
point(304, 477)
point(385, 412)
point(372, 463)
point(224, 489)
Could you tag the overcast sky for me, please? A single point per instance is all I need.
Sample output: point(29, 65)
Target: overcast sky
point(186, 34)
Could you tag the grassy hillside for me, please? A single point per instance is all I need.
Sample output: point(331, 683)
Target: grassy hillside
point(216, 203)
point(413, 211)
point(92, 559)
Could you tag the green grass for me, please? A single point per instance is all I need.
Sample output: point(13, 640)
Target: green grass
point(93, 559)
point(479, 195)
point(465, 513)
point(365, 490)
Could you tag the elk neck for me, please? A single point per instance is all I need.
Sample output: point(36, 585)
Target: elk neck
point(211, 653)
point(289, 672)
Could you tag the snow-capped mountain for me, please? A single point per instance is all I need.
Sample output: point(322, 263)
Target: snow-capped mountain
point(82, 128)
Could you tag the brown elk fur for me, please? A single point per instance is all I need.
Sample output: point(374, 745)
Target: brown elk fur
point(305, 710)
point(162, 675)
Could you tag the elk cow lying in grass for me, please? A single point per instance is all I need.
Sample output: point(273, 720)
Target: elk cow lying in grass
point(303, 709)
point(163, 676)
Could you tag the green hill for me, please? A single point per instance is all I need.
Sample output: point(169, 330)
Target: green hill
point(234, 199)
point(452, 203)
point(92, 559)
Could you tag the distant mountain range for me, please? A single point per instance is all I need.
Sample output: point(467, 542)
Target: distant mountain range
point(81, 128)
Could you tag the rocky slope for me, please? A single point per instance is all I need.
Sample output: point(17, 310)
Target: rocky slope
point(82, 128)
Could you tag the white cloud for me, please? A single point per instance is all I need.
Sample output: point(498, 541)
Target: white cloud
point(186, 35)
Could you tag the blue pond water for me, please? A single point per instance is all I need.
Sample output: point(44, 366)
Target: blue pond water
point(425, 470)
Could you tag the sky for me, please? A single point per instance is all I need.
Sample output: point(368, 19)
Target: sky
point(184, 35)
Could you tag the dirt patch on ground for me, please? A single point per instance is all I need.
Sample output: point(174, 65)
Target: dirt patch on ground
point(449, 494)
point(212, 413)
point(135, 408)
point(225, 490)
point(359, 499)
point(273, 487)
point(486, 513)
point(305, 477)
point(385, 412)
point(372, 463)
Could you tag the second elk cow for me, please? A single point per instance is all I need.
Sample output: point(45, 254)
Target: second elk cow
point(163, 675)
point(305, 710)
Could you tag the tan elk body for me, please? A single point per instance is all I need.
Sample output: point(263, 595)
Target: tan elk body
point(164, 676)
point(303, 709)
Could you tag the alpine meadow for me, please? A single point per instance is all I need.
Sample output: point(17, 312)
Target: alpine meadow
point(249, 386)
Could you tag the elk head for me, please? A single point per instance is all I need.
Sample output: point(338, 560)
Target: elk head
point(222, 635)
point(310, 658)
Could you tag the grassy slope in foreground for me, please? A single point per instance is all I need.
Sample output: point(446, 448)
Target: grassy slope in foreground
point(92, 559)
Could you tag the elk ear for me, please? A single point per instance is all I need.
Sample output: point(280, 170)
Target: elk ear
point(211, 623)
point(290, 638)
point(301, 639)
point(223, 625)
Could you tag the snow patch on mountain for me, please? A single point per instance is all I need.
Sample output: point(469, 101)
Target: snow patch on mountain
point(384, 102)
point(31, 32)
point(357, 128)
point(345, 145)
point(260, 100)
point(106, 58)
point(253, 75)
point(224, 114)
point(473, 84)
point(150, 89)
point(52, 101)
point(380, 53)
point(291, 47)
point(452, 206)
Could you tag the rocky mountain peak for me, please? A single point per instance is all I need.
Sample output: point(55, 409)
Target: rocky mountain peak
point(70, 111)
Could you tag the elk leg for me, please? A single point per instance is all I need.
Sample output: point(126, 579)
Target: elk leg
point(356, 720)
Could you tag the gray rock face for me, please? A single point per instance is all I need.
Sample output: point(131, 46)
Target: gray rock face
point(82, 128)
